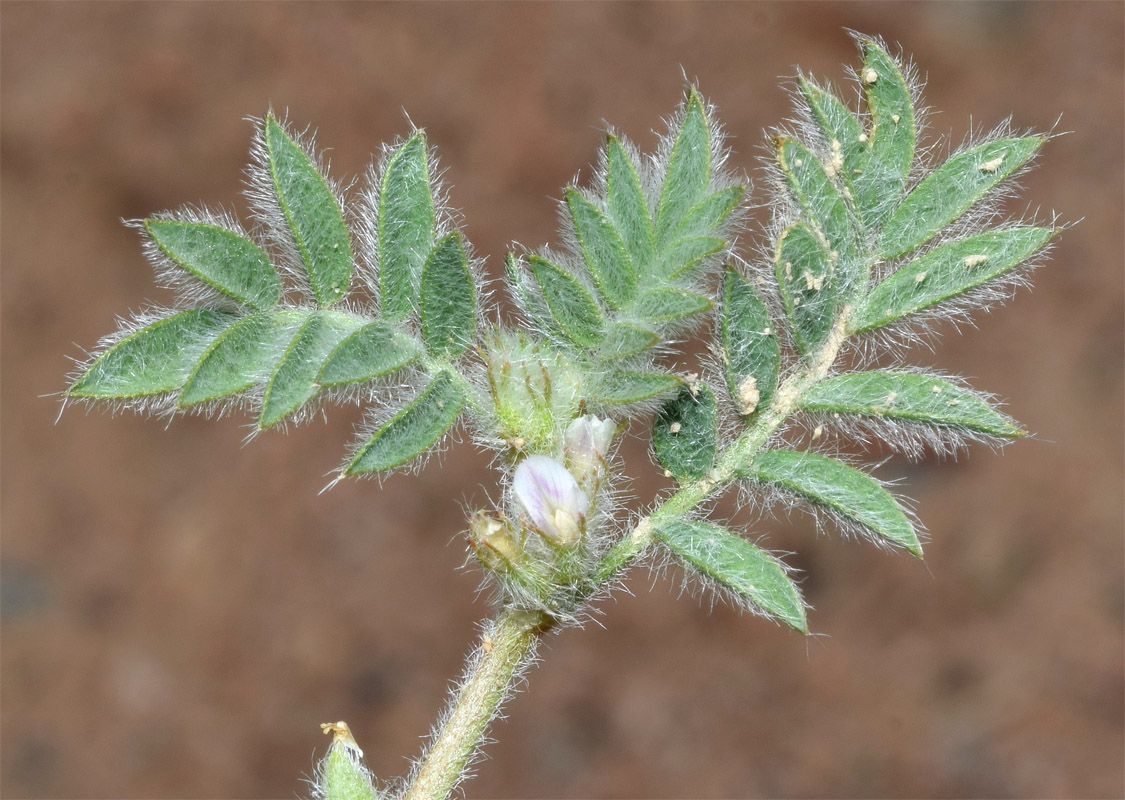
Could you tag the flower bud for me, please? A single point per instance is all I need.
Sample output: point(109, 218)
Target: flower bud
point(587, 445)
point(552, 500)
point(531, 389)
point(341, 774)
point(492, 542)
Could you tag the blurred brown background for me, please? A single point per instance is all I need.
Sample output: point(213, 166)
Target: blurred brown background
point(181, 611)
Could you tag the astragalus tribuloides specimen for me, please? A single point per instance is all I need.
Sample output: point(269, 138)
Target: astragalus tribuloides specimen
point(375, 298)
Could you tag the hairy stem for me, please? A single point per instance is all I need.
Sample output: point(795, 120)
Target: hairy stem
point(504, 647)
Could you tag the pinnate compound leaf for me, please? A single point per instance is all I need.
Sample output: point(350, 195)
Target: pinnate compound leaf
point(629, 386)
point(909, 397)
point(405, 226)
point(844, 490)
point(805, 277)
point(821, 201)
point(570, 303)
point(603, 250)
point(747, 571)
point(947, 271)
point(751, 353)
point(625, 339)
point(448, 301)
point(684, 433)
point(373, 351)
point(313, 214)
point(413, 430)
point(626, 204)
point(220, 258)
point(951, 189)
point(683, 254)
point(156, 359)
point(689, 169)
point(666, 304)
point(892, 135)
point(293, 382)
point(243, 356)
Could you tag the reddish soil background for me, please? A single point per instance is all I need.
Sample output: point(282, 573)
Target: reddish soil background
point(180, 611)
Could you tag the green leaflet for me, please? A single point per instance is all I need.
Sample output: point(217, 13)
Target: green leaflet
point(625, 339)
point(412, 430)
point(744, 569)
point(628, 386)
point(751, 353)
point(374, 350)
point(951, 189)
point(845, 490)
point(665, 304)
point(689, 169)
point(805, 275)
point(221, 258)
point(406, 226)
point(844, 136)
point(156, 359)
point(293, 382)
point(684, 434)
point(835, 120)
point(909, 397)
point(709, 213)
point(242, 356)
point(891, 135)
point(627, 206)
point(603, 251)
point(448, 299)
point(517, 281)
point(313, 215)
point(947, 271)
point(570, 303)
point(684, 254)
point(820, 200)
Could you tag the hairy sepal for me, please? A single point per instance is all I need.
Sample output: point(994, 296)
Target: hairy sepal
point(342, 773)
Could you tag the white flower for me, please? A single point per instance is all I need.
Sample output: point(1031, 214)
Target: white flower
point(552, 500)
point(587, 445)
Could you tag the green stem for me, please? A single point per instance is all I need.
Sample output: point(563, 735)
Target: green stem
point(504, 647)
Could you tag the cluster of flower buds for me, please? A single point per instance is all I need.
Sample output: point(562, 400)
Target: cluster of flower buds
point(551, 502)
point(531, 390)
